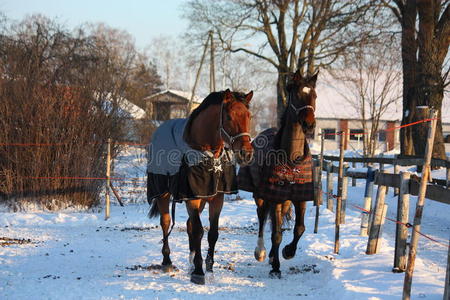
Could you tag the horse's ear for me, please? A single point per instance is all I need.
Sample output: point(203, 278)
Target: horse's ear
point(297, 76)
point(313, 79)
point(249, 97)
point(228, 96)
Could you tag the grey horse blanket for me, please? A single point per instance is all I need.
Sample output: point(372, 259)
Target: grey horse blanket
point(271, 178)
point(184, 172)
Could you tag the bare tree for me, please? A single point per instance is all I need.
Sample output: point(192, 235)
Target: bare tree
point(287, 34)
point(371, 86)
point(172, 62)
point(58, 92)
point(425, 28)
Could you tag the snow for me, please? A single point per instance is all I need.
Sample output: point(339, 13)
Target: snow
point(79, 255)
point(182, 94)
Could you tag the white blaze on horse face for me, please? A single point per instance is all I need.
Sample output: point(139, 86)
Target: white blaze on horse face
point(306, 90)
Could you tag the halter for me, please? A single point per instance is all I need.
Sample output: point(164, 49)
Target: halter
point(298, 109)
point(231, 139)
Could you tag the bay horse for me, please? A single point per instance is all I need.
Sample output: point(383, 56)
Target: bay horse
point(193, 160)
point(281, 171)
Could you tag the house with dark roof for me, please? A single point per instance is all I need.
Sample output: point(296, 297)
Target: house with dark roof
point(169, 104)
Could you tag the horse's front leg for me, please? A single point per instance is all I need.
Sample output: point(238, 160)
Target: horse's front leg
point(164, 220)
point(215, 207)
point(290, 249)
point(191, 238)
point(262, 211)
point(194, 209)
point(277, 235)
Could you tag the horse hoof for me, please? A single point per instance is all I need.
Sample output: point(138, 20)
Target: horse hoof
point(275, 274)
point(198, 279)
point(285, 255)
point(209, 262)
point(260, 255)
point(167, 268)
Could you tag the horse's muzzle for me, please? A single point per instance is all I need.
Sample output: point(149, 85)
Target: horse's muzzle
point(308, 127)
point(244, 157)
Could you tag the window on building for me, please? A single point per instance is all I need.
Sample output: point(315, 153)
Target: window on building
point(382, 136)
point(356, 134)
point(330, 133)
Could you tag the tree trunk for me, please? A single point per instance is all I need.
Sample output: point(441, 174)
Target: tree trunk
point(409, 50)
point(429, 82)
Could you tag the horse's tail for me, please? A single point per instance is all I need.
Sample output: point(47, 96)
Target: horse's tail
point(154, 210)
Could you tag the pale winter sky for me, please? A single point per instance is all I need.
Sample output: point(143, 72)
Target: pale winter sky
point(144, 19)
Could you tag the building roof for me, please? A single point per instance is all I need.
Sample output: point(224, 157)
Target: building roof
point(125, 107)
point(182, 94)
point(332, 104)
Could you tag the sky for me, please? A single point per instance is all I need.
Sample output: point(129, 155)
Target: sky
point(144, 19)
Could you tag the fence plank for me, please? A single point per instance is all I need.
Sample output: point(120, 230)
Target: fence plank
point(433, 192)
point(387, 179)
point(401, 233)
point(435, 162)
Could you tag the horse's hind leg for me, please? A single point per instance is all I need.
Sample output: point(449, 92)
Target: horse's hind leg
point(290, 249)
point(194, 208)
point(277, 235)
point(215, 207)
point(163, 206)
point(262, 212)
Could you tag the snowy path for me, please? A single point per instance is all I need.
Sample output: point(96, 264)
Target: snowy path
point(80, 256)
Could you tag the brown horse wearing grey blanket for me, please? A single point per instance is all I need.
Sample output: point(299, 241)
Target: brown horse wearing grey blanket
point(192, 160)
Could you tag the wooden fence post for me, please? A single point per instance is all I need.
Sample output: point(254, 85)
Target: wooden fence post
point(344, 193)
point(108, 180)
point(448, 174)
point(419, 207)
point(339, 194)
point(353, 178)
point(377, 221)
point(447, 276)
point(367, 201)
point(396, 171)
point(401, 233)
point(317, 198)
point(329, 185)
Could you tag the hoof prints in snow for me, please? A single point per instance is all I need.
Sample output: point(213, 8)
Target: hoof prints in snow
point(5, 241)
point(152, 267)
point(304, 269)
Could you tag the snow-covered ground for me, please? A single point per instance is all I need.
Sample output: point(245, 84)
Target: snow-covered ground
point(79, 255)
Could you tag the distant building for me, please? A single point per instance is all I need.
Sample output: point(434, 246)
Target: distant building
point(134, 117)
point(334, 113)
point(169, 104)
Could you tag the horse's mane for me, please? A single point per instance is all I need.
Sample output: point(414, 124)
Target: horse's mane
point(279, 134)
point(212, 99)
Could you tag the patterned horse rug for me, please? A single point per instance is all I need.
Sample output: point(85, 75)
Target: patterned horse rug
point(271, 178)
point(184, 172)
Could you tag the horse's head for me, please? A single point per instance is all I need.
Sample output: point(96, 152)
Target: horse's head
point(302, 100)
point(235, 124)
